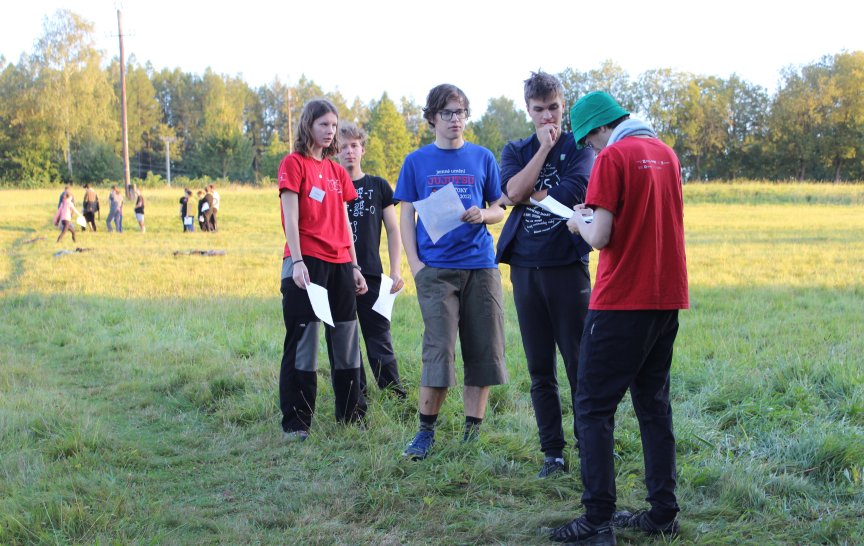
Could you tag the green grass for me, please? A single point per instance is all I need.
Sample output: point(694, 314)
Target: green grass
point(138, 397)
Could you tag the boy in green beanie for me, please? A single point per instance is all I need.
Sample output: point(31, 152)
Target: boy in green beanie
point(636, 200)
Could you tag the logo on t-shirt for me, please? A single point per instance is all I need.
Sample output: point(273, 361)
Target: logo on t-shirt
point(536, 220)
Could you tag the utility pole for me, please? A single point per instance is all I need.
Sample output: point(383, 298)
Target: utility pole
point(168, 140)
point(290, 123)
point(126, 177)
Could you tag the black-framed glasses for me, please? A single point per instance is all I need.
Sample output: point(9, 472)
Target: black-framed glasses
point(461, 113)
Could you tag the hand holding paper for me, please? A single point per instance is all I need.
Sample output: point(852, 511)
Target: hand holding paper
point(441, 212)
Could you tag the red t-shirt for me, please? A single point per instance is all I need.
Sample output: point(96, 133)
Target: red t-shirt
point(643, 266)
point(322, 188)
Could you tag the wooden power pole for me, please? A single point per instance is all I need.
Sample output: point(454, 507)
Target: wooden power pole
point(126, 177)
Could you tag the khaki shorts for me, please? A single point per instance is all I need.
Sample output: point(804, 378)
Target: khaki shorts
point(467, 302)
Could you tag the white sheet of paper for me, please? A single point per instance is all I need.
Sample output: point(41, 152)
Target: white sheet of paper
point(554, 206)
point(81, 221)
point(384, 304)
point(205, 207)
point(320, 302)
point(441, 212)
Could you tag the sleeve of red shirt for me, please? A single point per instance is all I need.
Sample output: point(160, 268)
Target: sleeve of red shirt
point(290, 174)
point(349, 193)
point(604, 188)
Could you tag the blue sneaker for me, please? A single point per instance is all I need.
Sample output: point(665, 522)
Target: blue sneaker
point(419, 447)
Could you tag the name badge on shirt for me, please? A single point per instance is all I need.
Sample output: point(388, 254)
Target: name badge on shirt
point(317, 194)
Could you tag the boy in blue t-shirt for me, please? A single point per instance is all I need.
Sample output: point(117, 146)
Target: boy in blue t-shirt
point(457, 280)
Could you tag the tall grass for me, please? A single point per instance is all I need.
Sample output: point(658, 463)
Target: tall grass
point(138, 391)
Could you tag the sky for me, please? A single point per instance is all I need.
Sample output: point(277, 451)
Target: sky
point(363, 48)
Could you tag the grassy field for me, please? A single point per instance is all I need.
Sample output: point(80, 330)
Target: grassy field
point(138, 399)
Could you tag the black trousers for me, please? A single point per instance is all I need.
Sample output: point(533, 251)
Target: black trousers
point(621, 350)
point(379, 344)
point(298, 386)
point(90, 217)
point(551, 303)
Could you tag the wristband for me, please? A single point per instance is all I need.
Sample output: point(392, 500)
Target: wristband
point(357, 267)
point(296, 261)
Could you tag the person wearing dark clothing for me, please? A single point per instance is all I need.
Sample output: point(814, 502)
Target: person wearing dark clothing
point(548, 265)
point(373, 207)
point(186, 219)
point(91, 206)
point(638, 226)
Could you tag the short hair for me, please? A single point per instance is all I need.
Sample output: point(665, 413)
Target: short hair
point(438, 98)
point(313, 110)
point(541, 85)
point(348, 130)
point(611, 126)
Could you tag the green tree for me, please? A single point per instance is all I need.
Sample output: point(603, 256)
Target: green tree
point(501, 123)
point(389, 140)
point(75, 96)
point(703, 124)
point(26, 154)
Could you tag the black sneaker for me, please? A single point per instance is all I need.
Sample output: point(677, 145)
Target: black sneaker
point(582, 531)
point(295, 435)
point(642, 521)
point(551, 466)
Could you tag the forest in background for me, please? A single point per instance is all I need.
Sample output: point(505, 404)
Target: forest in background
point(60, 118)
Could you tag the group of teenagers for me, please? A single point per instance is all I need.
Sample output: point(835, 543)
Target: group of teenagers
point(208, 209)
point(63, 218)
point(624, 186)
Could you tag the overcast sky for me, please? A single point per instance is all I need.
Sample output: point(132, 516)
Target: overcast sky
point(364, 48)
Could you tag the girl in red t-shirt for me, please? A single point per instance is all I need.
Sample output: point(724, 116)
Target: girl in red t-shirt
point(319, 249)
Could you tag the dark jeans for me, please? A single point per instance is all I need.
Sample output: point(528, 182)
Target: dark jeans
point(90, 217)
point(551, 303)
point(621, 350)
point(379, 345)
point(298, 385)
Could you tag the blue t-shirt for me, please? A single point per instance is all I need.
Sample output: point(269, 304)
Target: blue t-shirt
point(474, 173)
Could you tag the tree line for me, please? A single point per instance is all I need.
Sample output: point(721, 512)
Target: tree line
point(60, 118)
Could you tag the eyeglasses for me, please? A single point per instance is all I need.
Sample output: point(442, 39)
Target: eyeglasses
point(447, 115)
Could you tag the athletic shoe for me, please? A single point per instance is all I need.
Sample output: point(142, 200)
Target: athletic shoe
point(551, 466)
point(582, 531)
point(296, 435)
point(419, 447)
point(642, 521)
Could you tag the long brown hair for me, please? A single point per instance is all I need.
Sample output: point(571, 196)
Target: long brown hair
point(313, 110)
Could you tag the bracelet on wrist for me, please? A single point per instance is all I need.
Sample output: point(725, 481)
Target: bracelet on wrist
point(357, 267)
point(297, 261)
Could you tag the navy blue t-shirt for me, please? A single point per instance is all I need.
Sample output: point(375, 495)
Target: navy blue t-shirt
point(532, 236)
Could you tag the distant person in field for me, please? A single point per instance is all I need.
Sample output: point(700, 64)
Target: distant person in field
point(115, 210)
point(206, 210)
point(548, 264)
point(202, 224)
point(67, 190)
point(63, 217)
point(186, 219)
point(373, 208)
point(638, 226)
point(91, 206)
point(313, 191)
point(214, 212)
point(457, 279)
point(139, 208)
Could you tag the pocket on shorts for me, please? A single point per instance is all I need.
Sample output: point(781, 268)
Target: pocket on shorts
point(493, 300)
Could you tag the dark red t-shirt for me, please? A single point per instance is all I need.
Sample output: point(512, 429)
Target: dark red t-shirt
point(644, 265)
point(322, 188)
